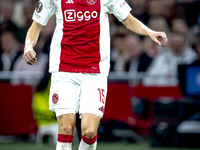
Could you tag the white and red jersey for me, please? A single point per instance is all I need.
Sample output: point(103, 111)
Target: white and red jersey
point(81, 40)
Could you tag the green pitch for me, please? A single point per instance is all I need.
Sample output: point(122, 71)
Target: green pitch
point(101, 146)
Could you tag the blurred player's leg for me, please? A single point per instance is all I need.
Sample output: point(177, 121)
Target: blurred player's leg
point(89, 125)
point(66, 125)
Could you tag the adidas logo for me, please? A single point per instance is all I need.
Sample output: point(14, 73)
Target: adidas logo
point(70, 2)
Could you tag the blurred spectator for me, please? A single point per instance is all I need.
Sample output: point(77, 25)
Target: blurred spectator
point(11, 50)
point(29, 7)
point(163, 70)
point(155, 8)
point(117, 50)
point(6, 11)
point(130, 57)
point(11, 11)
point(25, 9)
point(131, 53)
point(191, 10)
point(139, 10)
point(18, 11)
point(117, 44)
point(135, 59)
point(179, 25)
point(168, 11)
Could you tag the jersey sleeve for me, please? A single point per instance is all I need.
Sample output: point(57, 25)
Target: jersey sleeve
point(119, 8)
point(43, 11)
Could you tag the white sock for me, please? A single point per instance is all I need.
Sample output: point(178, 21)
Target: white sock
point(64, 142)
point(85, 146)
point(88, 143)
point(63, 146)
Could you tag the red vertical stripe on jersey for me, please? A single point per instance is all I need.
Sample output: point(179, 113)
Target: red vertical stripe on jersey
point(80, 49)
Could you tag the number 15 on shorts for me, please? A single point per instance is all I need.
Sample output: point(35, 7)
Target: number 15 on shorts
point(102, 95)
point(102, 99)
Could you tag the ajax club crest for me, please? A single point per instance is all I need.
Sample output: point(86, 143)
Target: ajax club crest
point(91, 2)
point(55, 98)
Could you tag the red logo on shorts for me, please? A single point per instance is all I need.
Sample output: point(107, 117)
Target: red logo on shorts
point(102, 109)
point(55, 98)
point(91, 2)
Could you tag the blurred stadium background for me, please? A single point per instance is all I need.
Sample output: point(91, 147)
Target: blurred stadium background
point(153, 100)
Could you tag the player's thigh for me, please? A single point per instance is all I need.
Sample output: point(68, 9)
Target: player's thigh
point(63, 92)
point(89, 124)
point(93, 94)
point(66, 123)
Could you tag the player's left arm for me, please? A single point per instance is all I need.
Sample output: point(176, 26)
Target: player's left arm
point(138, 27)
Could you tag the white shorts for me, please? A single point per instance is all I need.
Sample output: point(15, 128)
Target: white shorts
point(78, 92)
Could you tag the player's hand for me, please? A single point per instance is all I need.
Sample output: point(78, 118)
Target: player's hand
point(29, 56)
point(159, 37)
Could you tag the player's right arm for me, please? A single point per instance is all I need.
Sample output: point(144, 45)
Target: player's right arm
point(31, 40)
point(138, 27)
